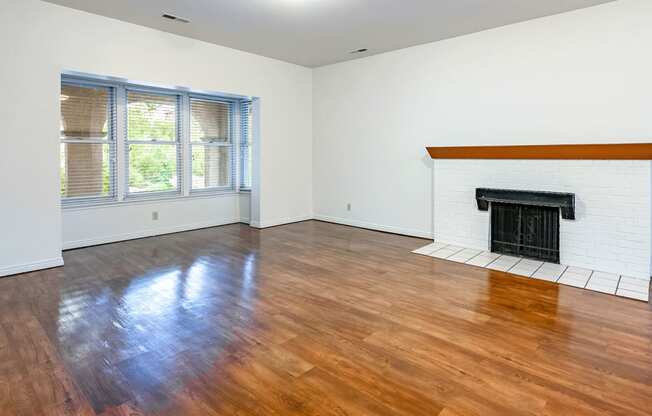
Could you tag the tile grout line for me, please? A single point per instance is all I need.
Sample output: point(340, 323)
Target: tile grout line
point(481, 251)
point(461, 261)
point(493, 261)
point(441, 248)
point(489, 260)
point(645, 292)
point(458, 251)
point(514, 265)
point(535, 272)
point(562, 273)
point(588, 280)
point(433, 252)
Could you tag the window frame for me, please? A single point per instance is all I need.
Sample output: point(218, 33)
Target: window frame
point(110, 141)
point(245, 145)
point(119, 142)
point(177, 143)
point(235, 139)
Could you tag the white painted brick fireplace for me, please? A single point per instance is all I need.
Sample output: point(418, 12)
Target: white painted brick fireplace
point(612, 230)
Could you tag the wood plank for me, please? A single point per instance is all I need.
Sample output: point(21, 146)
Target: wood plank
point(615, 151)
point(310, 319)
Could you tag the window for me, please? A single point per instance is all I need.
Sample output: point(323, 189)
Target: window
point(124, 141)
point(246, 142)
point(211, 139)
point(87, 150)
point(153, 144)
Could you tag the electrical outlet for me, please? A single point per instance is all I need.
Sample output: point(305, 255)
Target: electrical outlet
point(348, 206)
point(155, 215)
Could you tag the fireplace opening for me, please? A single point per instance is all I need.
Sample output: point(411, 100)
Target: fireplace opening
point(530, 231)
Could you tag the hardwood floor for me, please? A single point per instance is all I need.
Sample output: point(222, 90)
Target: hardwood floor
point(310, 319)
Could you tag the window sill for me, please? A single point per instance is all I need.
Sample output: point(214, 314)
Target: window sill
point(148, 200)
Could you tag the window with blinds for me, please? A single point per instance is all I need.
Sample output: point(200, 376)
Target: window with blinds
point(246, 144)
point(153, 151)
point(211, 141)
point(121, 141)
point(87, 149)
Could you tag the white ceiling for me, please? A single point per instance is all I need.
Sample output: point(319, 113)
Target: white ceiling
point(320, 32)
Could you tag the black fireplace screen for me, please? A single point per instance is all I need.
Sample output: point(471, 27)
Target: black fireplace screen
point(525, 230)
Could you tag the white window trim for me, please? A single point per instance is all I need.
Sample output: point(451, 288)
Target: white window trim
point(121, 196)
point(111, 141)
point(235, 162)
point(186, 150)
point(237, 139)
point(147, 201)
point(240, 146)
point(177, 143)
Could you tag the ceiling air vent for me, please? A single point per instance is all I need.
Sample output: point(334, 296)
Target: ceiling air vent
point(173, 17)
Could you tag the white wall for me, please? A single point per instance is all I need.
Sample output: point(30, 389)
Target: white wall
point(611, 231)
point(579, 77)
point(39, 40)
point(102, 224)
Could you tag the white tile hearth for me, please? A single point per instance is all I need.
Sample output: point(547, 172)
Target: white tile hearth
point(603, 282)
point(430, 248)
point(609, 289)
point(575, 276)
point(632, 287)
point(526, 267)
point(464, 255)
point(577, 273)
point(634, 284)
point(446, 252)
point(633, 294)
point(549, 272)
point(483, 259)
point(503, 263)
point(605, 277)
point(610, 283)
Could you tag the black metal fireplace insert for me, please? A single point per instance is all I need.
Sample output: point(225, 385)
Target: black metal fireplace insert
point(526, 223)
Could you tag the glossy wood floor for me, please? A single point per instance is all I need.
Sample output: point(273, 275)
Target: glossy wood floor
point(310, 319)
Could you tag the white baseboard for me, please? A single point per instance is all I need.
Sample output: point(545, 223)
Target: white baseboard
point(280, 221)
point(151, 232)
point(30, 267)
point(67, 245)
point(372, 226)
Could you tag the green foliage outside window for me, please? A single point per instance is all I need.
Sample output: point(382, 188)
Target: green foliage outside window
point(152, 167)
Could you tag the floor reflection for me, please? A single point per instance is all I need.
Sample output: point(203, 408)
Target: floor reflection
point(295, 319)
point(144, 325)
point(248, 279)
point(537, 312)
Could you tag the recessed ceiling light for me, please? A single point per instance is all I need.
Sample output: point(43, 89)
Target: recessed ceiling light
point(361, 50)
point(173, 17)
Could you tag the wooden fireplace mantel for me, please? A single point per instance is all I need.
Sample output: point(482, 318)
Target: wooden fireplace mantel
point(624, 151)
